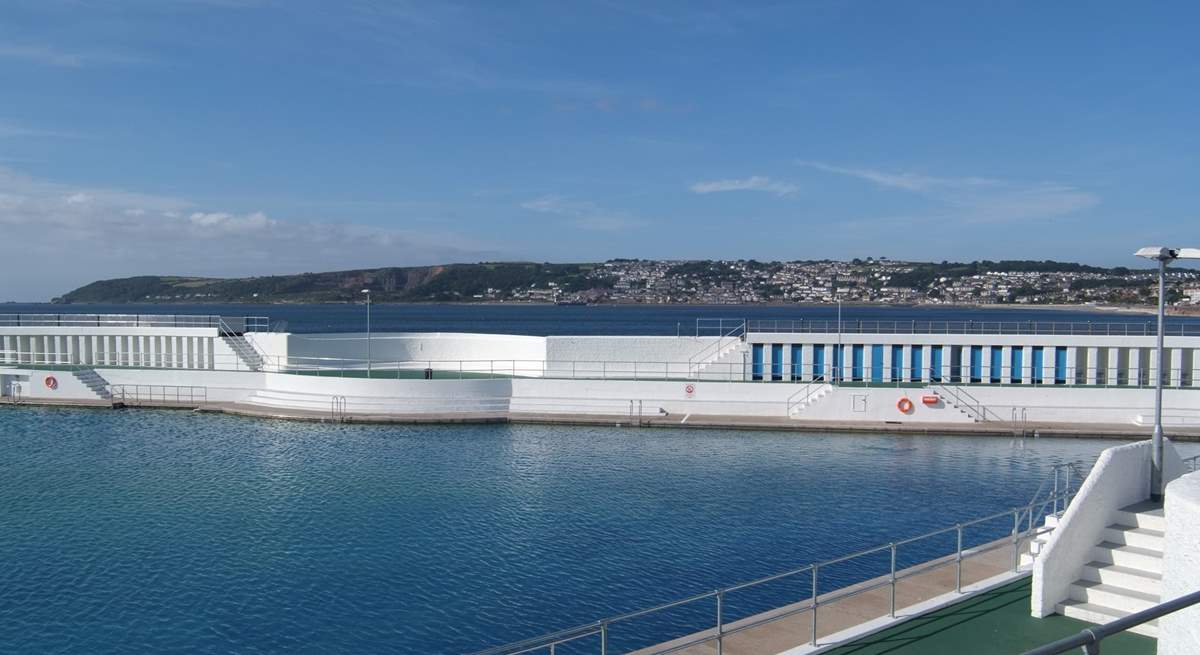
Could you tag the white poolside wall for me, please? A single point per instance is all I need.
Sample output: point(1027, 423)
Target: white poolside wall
point(1179, 633)
point(1120, 477)
point(641, 357)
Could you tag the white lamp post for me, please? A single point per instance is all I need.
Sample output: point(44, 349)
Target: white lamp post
point(368, 292)
point(1163, 256)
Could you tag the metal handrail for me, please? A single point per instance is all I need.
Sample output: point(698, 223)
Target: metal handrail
point(1087, 328)
point(549, 641)
point(166, 393)
point(958, 394)
point(250, 323)
point(804, 394)
point(1089, 639)
point(717, 348)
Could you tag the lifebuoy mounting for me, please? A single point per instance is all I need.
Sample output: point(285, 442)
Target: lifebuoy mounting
point(904, 405)
point(51, 382)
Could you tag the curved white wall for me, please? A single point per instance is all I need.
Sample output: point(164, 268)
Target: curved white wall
point(418, 347)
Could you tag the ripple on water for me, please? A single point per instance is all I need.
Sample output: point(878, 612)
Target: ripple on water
point(151, 531)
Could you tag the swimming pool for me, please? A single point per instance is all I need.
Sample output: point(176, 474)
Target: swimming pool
point(151, 531)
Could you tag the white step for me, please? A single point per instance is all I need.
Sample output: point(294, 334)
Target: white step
point(1135, 557)
point(1142, 515)
point(1123, 576)
point(1128, 535)
point(1106, 595)
point(1092, 613)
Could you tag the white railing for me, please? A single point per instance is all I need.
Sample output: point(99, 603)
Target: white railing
point(728, 332)
point(237, 323)
point(167, 395)
point(1148, 328)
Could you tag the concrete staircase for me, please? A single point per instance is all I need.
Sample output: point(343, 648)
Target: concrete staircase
point(962, 402)
point(92, 380)
point(244, 350)
point(806, 397)
point(1125, 574)
point(727, 364)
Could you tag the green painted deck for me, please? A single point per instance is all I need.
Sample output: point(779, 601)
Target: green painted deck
point(993, 623)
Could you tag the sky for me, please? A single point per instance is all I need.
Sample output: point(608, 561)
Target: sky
point(244, 137)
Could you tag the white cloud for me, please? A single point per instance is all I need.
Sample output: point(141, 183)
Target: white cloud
point(12, 131)
point(976, 199)
point(752, 183)
point(583, 215)
point(46, 55)
point(906, 181)
point(73, 236)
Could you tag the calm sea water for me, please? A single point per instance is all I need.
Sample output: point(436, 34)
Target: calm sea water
point(162, 531)
point(598, 319)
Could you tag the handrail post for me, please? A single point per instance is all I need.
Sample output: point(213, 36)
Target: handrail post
point(892, 611)
point(604, 638)
point(1016, 541)
point(720, 624)
point(958, 559)
point(1055, 495)
point(814, 604)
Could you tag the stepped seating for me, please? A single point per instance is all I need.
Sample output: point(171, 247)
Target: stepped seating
point(93, 380)
point(1125, 573)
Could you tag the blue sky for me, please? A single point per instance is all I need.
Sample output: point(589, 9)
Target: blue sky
point(234, 137)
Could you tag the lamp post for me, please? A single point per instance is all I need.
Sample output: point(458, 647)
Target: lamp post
point(1163, 256)
point(368, 292)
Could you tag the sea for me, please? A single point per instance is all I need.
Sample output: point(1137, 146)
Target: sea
point(542, 320)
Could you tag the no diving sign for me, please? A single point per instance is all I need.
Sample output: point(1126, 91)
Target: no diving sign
point(689, 390)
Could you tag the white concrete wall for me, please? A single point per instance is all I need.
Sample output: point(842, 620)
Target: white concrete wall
point(418, 347)
point(876, 404)
point(613, 397)
point(1179, 632)
point(1048, 403)
point(385, 396)
point(221, 386)
point(1121, 477)
point(69, 387)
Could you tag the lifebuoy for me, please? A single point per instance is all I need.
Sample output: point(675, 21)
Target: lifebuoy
point(51, 382)
point(904, 405)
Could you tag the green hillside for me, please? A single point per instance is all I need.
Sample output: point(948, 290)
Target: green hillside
point(455, 282)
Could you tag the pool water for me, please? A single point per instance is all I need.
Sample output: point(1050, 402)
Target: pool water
point(157, 531)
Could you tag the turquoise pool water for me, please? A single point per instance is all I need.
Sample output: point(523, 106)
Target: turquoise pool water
point(158, 531)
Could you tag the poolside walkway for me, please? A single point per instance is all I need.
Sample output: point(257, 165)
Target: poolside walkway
point(993, 623)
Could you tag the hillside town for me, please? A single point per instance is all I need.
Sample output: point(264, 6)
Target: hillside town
point(881, 281)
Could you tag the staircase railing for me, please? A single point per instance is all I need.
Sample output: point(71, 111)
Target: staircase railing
point(1053, 494)
point(243, 347)
point(804, 394)
point(715, 349)
point(963, 398)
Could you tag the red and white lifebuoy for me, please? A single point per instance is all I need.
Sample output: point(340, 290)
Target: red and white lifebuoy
point(904, 405)
point(689, 390)
point(51, 382)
